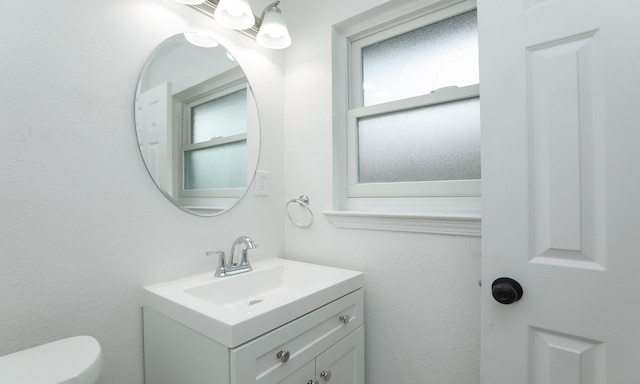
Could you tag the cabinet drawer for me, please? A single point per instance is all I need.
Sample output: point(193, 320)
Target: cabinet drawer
point(304, 338)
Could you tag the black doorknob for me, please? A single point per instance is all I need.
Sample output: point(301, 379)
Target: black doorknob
point(506, 290)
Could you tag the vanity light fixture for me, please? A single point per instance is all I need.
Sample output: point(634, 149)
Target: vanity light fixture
point(270, 30)
point(273, 31)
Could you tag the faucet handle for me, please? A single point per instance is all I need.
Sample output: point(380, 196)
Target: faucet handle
point(221, 270)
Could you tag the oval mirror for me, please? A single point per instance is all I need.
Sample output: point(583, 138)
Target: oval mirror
point(197, 124)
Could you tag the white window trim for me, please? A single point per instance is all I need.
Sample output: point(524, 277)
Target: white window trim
point(440, 213)
point(445, 225)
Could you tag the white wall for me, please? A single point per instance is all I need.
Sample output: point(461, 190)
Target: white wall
point(421, 296)
point(82, 226)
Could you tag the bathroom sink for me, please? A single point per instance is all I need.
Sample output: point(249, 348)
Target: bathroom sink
point(235, 309)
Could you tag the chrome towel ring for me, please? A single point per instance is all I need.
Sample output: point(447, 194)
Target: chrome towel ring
point(303, 201)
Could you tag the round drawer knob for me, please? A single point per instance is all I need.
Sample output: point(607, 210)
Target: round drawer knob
point(345, 318)
point(283, 356)
point(313, 382)
point(326, 375)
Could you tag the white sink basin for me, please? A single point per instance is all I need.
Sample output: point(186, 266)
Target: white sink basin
point(235, 309)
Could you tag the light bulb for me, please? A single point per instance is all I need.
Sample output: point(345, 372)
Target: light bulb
point(234, 14)
point(273, 32)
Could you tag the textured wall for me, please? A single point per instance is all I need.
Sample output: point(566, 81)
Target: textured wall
point(422, 301)
point(82, 224)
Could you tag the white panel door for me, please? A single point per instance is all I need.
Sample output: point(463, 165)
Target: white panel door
point(153, 123)
point(560, 112)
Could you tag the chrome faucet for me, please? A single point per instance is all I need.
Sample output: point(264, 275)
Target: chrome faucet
point(234, 265)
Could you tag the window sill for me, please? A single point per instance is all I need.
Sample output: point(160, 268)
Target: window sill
point(461, 225)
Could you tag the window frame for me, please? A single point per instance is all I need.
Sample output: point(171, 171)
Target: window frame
point(391, 206)
point(357, 110)
point(220, 86)
point(469, 187)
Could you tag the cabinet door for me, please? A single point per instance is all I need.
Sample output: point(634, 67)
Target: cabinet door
point(302, 376)
point(305, 338)
point(343, 363)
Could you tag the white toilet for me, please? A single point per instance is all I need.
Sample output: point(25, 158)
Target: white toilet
point(75, 360)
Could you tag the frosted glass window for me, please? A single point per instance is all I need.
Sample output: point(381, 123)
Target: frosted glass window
point(412, 126)
point(437, 142)
point(221, 117)
point(415, 63)
point(222, 166)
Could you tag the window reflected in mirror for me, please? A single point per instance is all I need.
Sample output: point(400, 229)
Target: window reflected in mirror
point(197, 126)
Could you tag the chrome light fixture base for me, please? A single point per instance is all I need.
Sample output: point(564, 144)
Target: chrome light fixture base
point(269, 30)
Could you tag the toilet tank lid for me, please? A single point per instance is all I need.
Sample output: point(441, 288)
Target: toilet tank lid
point(74, 360)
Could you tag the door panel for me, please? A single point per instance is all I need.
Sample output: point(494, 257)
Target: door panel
point(560, 139)
point(153, 125)
point(566, 149)
point(564, 359)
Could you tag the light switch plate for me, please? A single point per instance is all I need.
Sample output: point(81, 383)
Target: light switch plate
point(262, 183)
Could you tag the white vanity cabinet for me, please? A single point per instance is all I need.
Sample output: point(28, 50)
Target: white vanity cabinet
point(324, 345)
